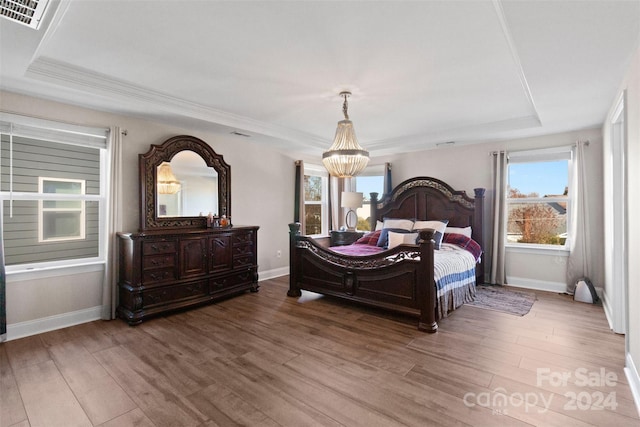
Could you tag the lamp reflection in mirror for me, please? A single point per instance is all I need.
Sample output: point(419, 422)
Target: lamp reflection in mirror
point(345, 158)
point(351, 200)
point(167, 182)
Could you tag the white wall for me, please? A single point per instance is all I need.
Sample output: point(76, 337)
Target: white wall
point(261, 191)
point(466, 167)
point(631, 84)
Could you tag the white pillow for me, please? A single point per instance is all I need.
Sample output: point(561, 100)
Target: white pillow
point(438, 226)
point(396, 239)
point(379, 225)
point(466, 231)
point(403, 224)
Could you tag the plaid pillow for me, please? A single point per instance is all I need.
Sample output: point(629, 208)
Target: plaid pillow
point(369, 238)
point(465, 243)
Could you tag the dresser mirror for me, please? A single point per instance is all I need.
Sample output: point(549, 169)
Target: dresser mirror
point(182, 181)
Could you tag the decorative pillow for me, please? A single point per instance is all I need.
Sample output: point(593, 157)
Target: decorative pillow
point(379, 225)
point(465, 231)
point(383, 241)
point(465, 243)
point(404, 224)
point(396, 239)
point(438, 226)
point(369, 238)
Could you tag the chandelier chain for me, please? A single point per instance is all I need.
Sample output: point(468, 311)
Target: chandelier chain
point(345, 105)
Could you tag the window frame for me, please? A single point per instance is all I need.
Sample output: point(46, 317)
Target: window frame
point(540, 156)
point(63, 133)
point(319, 171)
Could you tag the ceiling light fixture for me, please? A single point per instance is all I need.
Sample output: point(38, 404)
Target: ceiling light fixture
point(167, 181)
point(345, 158)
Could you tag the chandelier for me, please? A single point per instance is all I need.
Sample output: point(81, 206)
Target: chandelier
point(167, 181)
point(345, 158)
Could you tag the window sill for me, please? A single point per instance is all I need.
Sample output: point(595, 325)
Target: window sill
point(538, 249)
point(20, 274)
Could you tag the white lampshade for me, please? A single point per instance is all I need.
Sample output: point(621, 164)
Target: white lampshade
point(351, 200)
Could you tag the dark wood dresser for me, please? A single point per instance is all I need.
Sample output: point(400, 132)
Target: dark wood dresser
point(164, 270)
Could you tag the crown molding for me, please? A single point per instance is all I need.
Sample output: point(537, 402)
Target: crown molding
point(502, 19)
point(461, 134)
point(92, 84)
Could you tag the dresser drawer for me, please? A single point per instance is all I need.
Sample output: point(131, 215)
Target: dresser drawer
point(243, 261)
point(159, 247)
point(158, 261)
point(158, 275)
point(242, 251)
point(172, 294)
point(243, 238)
point(230, 281)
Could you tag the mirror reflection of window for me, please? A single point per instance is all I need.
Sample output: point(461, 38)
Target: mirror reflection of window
point(198, 187)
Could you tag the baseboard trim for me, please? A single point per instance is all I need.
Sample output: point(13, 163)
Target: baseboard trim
point(539, 285)
point(634, 380)
point(606, 306)
point(51, 323)
point(64, 320)
point(271, 274)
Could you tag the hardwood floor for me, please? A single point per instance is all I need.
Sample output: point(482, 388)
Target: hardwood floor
point(265, 359)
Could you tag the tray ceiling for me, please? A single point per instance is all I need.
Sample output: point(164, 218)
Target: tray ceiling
point(421, 73)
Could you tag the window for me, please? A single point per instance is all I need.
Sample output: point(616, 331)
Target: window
point(53, 193)
point(316, 210)
point(61, 220)
point(539, 198)
point(371, 180)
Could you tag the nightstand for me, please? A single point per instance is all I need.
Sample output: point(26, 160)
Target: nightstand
point(341, 238)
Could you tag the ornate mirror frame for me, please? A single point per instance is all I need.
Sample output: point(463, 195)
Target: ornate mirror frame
point(148, 164)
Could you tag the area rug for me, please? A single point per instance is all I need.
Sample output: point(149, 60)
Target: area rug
point(506, 300)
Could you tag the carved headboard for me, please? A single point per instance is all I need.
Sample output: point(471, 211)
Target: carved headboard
point(426, 198)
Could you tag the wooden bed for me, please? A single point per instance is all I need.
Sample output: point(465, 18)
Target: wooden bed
point(399, 279)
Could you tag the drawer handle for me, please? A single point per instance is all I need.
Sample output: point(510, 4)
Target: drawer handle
point(161, 247)
point(220, 283)
point(163, 275)
point(194, 289)
point(154, 299)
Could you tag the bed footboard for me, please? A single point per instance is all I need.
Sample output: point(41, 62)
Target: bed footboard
point(400, 279)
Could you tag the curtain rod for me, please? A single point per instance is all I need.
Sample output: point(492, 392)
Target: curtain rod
point(586, 142)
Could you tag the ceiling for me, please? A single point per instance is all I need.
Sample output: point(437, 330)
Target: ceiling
point(421, 72)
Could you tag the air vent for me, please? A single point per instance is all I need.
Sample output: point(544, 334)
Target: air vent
point(442, 144)
point(235, 132)
point(25, 12)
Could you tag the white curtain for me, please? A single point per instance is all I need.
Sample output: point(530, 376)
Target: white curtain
point(299, 213)
point(3, 286)
point(388, 186)
point(579, 232)
point(114, 223)
point(498, 272)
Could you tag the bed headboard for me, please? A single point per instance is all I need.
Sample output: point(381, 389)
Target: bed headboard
point(426, 198)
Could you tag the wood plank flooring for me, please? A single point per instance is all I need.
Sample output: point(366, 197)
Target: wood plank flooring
point(265, 359)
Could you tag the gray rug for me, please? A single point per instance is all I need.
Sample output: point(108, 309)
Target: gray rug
point(506, 300)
